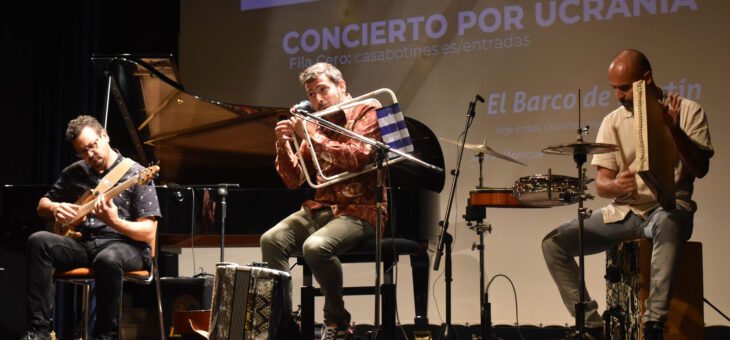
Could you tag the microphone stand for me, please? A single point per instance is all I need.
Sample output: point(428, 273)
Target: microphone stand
point(222, 190)
point(382, 150)
point(445, 238)
point(223, 193)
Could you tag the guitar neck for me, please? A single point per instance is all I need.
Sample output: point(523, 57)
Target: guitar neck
point(111, 193)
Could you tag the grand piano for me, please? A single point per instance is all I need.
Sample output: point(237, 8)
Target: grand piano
point(211, 153)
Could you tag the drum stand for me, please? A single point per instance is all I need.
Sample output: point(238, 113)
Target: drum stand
point(580, 151)
point(580, 156)
point(475, 221)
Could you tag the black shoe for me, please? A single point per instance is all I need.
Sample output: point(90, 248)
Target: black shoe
point(653, 330)
point(339, 332)
point(36, 334)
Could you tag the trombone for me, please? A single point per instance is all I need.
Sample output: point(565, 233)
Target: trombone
point(315, 118)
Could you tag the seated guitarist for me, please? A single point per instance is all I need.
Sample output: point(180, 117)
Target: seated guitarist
point(115, 235)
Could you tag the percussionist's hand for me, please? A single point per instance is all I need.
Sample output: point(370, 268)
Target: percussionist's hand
point(65, 212)
point(626, 181)
point(671, 111)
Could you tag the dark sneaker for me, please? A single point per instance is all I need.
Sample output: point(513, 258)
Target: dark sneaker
point(653, 330)
point(341, 332)
point(36, 334)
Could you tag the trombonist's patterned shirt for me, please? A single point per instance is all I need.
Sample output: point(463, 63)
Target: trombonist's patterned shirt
point(337, 153)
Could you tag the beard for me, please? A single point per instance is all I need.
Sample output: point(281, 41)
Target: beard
point(96, 162)
point(628, 105)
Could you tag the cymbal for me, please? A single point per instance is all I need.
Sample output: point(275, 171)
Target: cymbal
point(579, 148)
point(484, 149)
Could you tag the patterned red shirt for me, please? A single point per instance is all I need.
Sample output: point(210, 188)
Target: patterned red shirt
point(337, 153)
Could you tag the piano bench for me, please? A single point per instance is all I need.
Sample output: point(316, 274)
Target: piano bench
point(391, 249)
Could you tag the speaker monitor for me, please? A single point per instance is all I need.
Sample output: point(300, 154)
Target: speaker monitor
point(184, 294)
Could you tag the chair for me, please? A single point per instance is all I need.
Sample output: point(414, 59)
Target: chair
point(391, 248)
point(85, 276)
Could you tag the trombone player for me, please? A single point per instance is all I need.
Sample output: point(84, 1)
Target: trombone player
point(342, 214)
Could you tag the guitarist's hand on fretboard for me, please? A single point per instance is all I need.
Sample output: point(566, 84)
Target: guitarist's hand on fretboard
point(65, 212)
point(106, 210)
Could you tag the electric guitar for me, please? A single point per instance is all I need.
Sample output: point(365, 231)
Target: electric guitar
point(87, 200)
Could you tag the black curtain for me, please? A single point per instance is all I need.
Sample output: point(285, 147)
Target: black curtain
point(47, 76)
point(46, 79)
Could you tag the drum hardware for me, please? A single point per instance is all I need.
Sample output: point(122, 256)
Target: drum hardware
point(580, 150)
point(484, 149)
point(475, 221)
point(484, 305)
point(476, 212)
point(548, 190)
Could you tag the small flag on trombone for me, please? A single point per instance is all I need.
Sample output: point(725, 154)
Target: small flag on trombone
point(393, 129)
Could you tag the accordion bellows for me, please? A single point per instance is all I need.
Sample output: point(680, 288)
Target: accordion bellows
point(248, 302)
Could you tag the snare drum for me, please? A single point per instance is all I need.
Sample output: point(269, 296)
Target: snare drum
point(494, 197)
point(546, 191)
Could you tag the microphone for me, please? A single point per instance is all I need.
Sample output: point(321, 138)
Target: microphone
point(303, 106)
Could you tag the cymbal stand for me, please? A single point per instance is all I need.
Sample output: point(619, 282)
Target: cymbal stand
point(445, 239)
point(580, 157)
point(480, 155)
point(475, 221)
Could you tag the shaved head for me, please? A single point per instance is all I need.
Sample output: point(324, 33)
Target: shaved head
point(627, 67)
point(631, 63)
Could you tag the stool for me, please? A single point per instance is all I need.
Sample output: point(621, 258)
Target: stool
point(365, 252)
point(627, 273)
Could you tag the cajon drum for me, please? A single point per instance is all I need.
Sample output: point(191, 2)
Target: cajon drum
point(627, 287)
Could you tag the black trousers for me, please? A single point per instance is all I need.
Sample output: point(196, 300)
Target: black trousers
point(109, 259)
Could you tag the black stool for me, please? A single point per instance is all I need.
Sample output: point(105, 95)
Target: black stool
point(391, 249)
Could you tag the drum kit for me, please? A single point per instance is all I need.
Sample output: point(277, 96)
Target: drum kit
point(537, 191)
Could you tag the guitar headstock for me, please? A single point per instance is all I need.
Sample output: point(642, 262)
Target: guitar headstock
point(147, 174)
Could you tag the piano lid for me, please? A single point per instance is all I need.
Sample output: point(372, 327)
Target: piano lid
point(202, 141)
point(195, 139)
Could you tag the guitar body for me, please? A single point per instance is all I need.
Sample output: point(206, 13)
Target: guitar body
point(69, 229)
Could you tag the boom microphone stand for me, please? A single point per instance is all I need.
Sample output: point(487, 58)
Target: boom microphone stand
point(445, 238)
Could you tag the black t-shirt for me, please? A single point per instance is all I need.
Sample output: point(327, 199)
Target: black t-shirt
point(136, 202)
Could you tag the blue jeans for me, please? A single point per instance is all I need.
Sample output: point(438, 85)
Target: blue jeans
point(668, 231)
point(319, 237)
